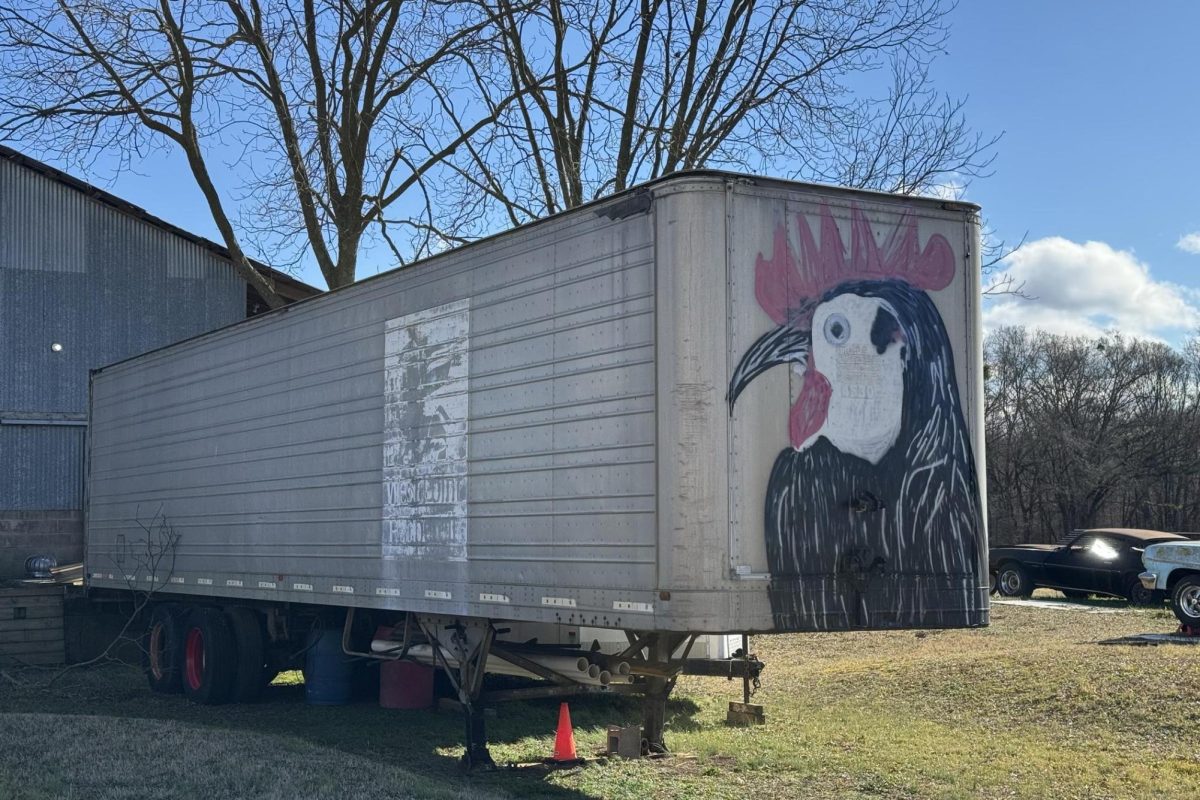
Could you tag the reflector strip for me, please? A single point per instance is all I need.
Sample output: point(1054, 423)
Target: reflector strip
point(627, 605)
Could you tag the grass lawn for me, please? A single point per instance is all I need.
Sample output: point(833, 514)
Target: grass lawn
point(1030, 707)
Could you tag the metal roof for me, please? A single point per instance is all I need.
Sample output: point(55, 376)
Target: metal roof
point(287, 286)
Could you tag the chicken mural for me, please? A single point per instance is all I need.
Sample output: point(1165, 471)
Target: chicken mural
point(872, 513)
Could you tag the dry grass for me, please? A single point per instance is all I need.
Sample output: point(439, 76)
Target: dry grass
point(1031, 707)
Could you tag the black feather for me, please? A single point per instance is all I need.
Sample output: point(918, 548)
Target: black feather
point(852, 544)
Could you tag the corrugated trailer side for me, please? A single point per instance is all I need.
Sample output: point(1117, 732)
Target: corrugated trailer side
point(340, 451)
point(541, 426)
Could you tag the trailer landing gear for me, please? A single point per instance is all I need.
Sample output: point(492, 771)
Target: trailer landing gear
point(468, 643)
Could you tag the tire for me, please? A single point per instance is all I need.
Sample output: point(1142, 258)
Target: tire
point(209, 657)
point(1013, 581)
point(248, 681)
point(1185, 600)
point(1074, 594)
point(162, 649)
point(1139, 595)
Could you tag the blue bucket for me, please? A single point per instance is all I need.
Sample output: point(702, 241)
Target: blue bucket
point(328, 672)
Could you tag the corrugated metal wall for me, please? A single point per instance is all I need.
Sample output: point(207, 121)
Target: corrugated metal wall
point(42, 466)
point(105, 286)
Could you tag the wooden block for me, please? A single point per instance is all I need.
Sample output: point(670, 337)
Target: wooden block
point(745, 714)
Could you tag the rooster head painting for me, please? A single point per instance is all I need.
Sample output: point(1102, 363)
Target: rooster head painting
point(872, 515)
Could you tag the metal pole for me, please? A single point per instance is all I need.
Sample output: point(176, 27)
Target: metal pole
point(746, 673)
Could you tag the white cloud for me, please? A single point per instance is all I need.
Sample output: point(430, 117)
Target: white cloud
point(951, 188)
point(1089, 288)
point(1189, 243)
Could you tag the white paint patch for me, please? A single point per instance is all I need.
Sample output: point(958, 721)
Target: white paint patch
point(488, 597)
point(266, 584)
point(426, 374)
point(233, 582)
point(629, 605)
point(384, 591)
point(204, 581)
point(338, 589)
point(561, 602)
point(302, 587)
point(867, 400)
point(436, 594)
point(177, 580)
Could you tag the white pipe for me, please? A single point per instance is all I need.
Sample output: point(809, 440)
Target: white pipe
point(565, 665)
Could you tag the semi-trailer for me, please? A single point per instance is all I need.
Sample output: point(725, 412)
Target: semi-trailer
point(713, 403)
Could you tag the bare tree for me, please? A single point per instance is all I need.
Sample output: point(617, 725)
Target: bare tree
point(335, 104)
point(416, 124)
point(614, 92)
point(1090, 431)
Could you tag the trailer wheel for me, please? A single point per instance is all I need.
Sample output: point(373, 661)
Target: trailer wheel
point(209, 657)
point(248, 680)
point(162, 649)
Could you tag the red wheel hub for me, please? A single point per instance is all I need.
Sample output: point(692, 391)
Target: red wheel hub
point(193, 658)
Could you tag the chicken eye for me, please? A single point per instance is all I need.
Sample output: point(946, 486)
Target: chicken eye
point(837, 329)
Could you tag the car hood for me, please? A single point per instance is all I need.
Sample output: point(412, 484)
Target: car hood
point(1182, 552)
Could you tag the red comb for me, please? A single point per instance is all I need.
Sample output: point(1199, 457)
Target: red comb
point(785, 286)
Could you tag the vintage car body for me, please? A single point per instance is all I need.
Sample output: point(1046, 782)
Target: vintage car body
point(1093, 561)
point(1174, 569)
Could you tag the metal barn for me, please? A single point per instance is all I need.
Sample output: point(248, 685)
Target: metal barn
point(86, 279)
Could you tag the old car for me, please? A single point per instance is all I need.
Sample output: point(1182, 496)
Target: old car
point(1173, 568)
point(1094, 561)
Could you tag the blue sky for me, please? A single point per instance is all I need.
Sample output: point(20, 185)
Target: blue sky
point(1099, 109)
point(1099, 103)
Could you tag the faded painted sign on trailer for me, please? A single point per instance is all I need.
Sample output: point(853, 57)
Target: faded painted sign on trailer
point(732, 405)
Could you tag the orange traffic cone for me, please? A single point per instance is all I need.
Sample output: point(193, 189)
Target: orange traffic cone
point(564, 739)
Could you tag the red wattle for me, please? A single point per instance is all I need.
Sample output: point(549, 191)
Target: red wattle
point(808, 412)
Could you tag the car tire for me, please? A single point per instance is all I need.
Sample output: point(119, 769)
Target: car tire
point(1013, 581)
point(209, 657)
point(1185, 600)
point(1139, 595)
point(248, 682)
point(162, 649)
point(1075, 594)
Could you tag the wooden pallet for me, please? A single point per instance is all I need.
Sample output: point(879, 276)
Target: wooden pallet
point(31, 625)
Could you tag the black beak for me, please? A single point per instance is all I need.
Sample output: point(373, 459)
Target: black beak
point(784, 345)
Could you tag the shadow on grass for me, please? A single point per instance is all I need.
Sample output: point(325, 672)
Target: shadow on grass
point(426, 742)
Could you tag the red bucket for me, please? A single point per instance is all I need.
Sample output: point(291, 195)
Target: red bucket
point(405, 684)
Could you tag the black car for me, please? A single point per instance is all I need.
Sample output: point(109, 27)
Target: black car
point(1095, 561)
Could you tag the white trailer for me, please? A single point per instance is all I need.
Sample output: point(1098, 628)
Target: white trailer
point(710, 404)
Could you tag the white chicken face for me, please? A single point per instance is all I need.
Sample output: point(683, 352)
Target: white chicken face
point(867, 386)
